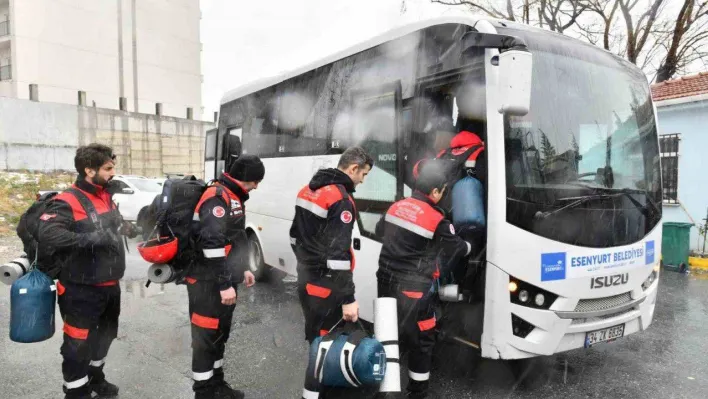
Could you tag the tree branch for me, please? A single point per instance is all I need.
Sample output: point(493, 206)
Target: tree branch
point(652, 18)
point(472, 4)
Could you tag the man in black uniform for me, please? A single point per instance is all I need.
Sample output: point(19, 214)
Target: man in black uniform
point(417, 242)
point(321, 236)
point(82, 225)
point(211, 284)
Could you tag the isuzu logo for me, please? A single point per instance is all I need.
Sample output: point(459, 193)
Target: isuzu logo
point(608, 281)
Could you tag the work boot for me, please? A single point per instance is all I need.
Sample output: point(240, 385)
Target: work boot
point(418, 390)
point(388, 395)
point(221, 391)
point(78, 396)
point(224, 391)
point(80, 393)
point(104, 389)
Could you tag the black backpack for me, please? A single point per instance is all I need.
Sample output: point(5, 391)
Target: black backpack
point(171, 214)
point(28, 231)
point(458, 169)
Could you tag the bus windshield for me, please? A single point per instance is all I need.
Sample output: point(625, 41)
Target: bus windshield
point(591, 131)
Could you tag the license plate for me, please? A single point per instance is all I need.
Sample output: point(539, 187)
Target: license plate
point(604, 335)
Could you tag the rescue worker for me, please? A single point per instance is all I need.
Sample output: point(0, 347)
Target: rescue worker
point(417, 242)
point(321, 236)
point(83, 225)
point(211, 282)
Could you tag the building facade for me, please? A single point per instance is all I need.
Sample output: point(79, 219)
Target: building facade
point(682, 107)
point(145, 52)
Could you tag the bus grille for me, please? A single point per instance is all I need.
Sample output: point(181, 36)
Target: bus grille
point(592, 305)
point(599, 318)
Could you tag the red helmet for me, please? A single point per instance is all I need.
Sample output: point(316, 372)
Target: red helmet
point(159, 250)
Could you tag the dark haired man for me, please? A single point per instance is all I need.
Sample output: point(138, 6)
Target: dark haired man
point(417, 242)
point(82, 225)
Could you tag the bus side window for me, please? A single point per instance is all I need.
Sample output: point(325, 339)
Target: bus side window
point(210, 146)
point(374, 126)
point(302, 122)
point(231, 147)
point(260, 128)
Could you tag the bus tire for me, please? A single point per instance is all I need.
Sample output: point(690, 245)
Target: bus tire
point(255, 259)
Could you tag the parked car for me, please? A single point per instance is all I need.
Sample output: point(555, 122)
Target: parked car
point(134, 193)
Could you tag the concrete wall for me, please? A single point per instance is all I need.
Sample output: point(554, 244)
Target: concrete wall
point(67, 46)
point(690, 120)
point(44, 136)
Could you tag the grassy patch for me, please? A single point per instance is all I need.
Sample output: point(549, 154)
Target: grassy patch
point(18, 191)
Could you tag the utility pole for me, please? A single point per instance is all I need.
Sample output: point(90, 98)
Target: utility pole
point(705, 231)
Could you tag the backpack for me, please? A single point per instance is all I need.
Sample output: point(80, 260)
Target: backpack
point(28, 231)
point(171, 214)
point(458, 169)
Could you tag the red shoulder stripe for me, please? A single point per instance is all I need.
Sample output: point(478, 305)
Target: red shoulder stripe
point(416, 212)
point(319, 201)
point(76, 208)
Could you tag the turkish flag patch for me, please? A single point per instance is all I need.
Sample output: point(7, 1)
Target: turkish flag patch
point(218, 211)
point(47, 216)
point(346, 217)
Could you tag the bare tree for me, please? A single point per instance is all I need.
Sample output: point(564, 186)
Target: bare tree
point(638, 32)
point(600, 7)
point(552, 12)
point(485, 7)
point(660, 42)
point(687, 41)
point(556, 15)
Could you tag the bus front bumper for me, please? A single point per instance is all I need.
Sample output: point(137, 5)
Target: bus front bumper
point(557, 331)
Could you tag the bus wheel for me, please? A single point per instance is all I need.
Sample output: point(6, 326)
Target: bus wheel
point(255, 259)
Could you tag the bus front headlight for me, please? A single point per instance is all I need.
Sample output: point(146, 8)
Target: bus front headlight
point(539, 300)
point(650, 280)
point(525, 294)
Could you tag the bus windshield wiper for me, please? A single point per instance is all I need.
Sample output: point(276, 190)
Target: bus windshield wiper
point(576, 203)
point(604, 193)
point(629, 192)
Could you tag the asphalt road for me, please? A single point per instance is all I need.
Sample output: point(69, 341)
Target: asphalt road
point(266, 353)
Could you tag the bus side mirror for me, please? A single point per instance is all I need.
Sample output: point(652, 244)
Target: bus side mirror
point(515, 82)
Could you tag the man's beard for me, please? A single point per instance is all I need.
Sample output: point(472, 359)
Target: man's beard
point(97, 180)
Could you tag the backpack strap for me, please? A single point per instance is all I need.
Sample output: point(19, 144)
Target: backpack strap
point(87, 205)
point(223, 194)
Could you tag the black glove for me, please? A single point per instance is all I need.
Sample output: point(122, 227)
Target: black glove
point(127, 229)
point(104, 238)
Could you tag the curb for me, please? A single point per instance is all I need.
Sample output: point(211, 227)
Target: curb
point(698, 263)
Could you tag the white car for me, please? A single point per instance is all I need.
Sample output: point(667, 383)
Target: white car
point(134, 193)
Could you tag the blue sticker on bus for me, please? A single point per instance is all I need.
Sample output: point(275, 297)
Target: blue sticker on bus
point(553, 266)
point(649, 252)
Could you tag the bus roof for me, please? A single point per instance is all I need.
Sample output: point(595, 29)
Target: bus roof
point(404, 27)
point(450, 16)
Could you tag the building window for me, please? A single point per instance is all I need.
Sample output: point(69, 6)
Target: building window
point(669, 145)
